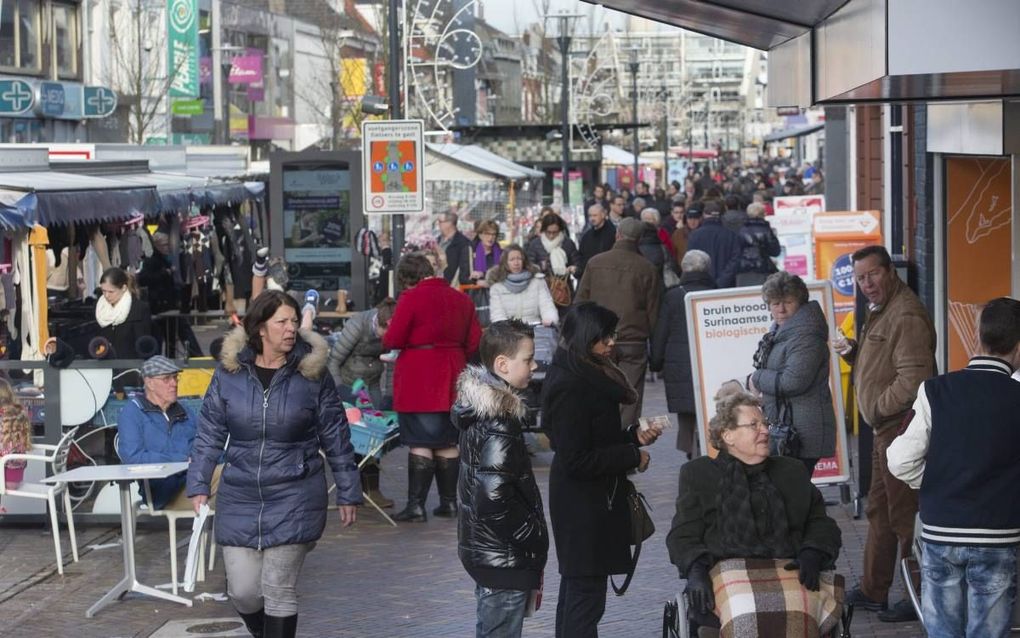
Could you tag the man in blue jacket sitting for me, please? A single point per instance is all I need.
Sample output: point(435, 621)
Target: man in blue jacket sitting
point(155, 428)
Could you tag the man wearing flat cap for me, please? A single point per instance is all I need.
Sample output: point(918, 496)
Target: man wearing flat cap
point(628, 284)
point(155, 428)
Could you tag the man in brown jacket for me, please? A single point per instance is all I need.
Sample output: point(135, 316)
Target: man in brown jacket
point(896, 354)
point(628, 284)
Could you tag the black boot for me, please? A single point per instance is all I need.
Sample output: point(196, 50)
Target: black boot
point(419, 479)
point(255, 622)
point(281, 626)
point(370, 485)
point(446, 483)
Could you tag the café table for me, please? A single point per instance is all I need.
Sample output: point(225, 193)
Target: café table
point(123, 476)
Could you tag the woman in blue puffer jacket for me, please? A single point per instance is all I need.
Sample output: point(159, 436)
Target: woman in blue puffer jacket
point(275, 400)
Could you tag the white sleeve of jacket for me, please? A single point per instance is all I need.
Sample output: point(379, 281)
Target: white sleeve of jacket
point(906, 454)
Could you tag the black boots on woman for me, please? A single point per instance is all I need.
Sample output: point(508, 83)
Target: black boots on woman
point(419, 479)
point(446, 482)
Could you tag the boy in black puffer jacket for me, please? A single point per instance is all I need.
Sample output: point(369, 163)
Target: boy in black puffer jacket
point(502, 537)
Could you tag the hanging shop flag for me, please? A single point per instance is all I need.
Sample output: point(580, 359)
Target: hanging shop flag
point(182, 49)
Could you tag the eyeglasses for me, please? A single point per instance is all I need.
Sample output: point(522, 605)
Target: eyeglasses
point(754, 425)
point(167, 378)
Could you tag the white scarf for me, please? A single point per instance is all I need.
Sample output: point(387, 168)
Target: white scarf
point(557, 257)
point(110, 315)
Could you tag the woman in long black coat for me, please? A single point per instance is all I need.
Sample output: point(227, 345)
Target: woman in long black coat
point(671, 351)
point(581, 396)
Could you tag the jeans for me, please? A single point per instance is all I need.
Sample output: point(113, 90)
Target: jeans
point(967, 591)
point(500, 612)
point(264, 579)
point(580, 606)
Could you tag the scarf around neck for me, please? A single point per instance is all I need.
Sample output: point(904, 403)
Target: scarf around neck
point(744, 490)
point(557, 256)
point(518, 282)
point(110, 315)
point(481, 264)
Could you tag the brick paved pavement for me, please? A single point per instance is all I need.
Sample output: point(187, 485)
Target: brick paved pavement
point(371, 581)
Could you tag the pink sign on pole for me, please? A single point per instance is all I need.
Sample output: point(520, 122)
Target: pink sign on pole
point(246, 69)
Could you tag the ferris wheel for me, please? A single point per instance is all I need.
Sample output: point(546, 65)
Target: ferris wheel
point(438, 41)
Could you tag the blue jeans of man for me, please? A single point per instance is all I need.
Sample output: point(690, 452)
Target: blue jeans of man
point(967, 590)
point(500, 612)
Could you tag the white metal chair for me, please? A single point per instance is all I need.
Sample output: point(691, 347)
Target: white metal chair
point(56, 456)
point(172, 516)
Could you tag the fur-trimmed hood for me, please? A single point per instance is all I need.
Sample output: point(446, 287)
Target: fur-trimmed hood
point(482, 396)
point(311, 352)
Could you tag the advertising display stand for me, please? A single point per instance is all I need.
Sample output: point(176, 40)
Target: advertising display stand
point(724, 328)
point(316, 199)
point(837, 237)
point(793, 221)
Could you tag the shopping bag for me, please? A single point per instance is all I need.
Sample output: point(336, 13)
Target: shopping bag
point(194, 547)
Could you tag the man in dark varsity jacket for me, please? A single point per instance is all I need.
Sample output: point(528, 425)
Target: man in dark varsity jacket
point(962, 450)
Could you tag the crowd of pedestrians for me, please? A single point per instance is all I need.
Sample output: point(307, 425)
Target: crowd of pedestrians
point(616, 294)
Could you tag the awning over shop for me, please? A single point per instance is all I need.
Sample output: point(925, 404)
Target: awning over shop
point(481, 159)
point(66, 198)
point(616, 155)
point(17, 210)
point(796, 131)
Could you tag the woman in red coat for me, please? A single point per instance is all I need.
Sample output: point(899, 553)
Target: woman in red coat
point(435, 328)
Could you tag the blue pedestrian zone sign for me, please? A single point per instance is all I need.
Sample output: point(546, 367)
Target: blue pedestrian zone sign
point(100, 101)
point(16, 97)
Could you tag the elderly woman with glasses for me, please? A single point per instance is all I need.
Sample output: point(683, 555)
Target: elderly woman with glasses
point(486, 252)
point(746, 504)
point(792, 368)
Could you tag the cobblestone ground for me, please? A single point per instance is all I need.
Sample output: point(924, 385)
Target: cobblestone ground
point(370, 581)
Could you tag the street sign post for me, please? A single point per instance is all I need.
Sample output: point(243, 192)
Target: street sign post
point(16, 97)
point(393, 159)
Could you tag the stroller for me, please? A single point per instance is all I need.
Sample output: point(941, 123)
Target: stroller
point(546, 340)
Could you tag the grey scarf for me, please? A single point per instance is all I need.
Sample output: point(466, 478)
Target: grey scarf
point(517, 283)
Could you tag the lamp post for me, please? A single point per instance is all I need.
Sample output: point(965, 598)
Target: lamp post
point(396, 108)
point(564, 40)
point(665, 136)
point(633, 65)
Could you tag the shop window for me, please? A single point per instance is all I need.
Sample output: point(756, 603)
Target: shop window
point(19, 35)
point(65, 40)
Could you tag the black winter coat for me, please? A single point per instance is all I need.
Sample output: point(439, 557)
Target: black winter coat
point(722, 245)
point(587, 506)
point(458, 259)
point(502, 538)
point(273, 488)
point(124, 337)
point(538, 255)
point(759, 243)
point(158, 280)
point(697, 529)
point(671, 351)
point(592, 242)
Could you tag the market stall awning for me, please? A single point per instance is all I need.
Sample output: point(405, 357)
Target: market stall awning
point(616, 155)
point(481, 159)
point(66, 198)
point(17, 210)
point(176, 192)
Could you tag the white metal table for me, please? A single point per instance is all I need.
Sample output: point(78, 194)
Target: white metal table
point(123, 476)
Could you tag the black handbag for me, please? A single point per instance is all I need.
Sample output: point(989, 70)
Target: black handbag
point(641, 526)
point(784, 440)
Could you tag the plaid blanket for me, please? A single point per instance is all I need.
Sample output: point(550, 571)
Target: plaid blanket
point(757, 597)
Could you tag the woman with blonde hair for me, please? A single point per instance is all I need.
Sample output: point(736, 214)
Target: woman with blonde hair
point(486, 252)
point(15, 434)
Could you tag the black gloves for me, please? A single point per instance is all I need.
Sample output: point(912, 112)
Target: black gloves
point(699, 588)
point(810, 562)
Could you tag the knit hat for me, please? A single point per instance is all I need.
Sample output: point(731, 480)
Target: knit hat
point(158, 366)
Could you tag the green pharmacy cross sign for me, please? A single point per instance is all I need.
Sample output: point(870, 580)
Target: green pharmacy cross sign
point(99, 101)
point(16, 97)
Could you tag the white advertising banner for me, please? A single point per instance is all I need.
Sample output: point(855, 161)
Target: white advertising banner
point(724, 328)
point(792, 221)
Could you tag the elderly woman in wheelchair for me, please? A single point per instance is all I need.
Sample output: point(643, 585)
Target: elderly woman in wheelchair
point(754, 529)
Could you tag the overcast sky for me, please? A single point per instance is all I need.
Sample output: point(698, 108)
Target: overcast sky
point(512, 16)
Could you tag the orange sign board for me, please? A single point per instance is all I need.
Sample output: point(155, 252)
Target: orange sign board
point(979, 246)
point(837, 236)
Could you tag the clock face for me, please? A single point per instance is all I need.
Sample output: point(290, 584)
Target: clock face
point(460, 48)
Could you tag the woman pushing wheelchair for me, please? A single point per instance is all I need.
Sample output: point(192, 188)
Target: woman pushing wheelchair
point(751, 535)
